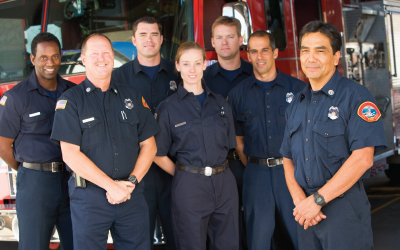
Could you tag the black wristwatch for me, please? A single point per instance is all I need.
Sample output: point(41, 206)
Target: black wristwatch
point(319, 199)
point(133, 179)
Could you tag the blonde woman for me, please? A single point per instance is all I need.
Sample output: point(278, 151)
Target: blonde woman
point(197, 129)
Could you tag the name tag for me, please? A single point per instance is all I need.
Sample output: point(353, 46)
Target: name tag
point(88, 120)
point(180, 124)
point(34, 114)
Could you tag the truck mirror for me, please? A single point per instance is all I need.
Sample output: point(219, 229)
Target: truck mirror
point(240, 11)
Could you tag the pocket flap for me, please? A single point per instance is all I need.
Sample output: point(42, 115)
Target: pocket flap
point(328, 128)
point(246, 115)
point(35, 116)
point(90, 121)
point(293, 128)
point(181, 126)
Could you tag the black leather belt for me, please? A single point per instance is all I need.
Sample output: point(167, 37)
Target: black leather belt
point(207, 171)
point(232, 154)
point(51, 166)
point(270, 162)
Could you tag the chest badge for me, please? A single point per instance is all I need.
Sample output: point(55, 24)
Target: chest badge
point(331, 92)
point(129, 104)
point(172, 85)
point(289, 97)
point(333, 113)
point(369, 112)
point(222, 112)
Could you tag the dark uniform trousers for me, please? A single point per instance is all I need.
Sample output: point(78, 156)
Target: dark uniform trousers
point(347, 225)
point(42, 202)
point(122, 219)
point(264, 187)
point(200, 202)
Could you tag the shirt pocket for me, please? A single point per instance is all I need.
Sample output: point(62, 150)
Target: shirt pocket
point(92, 132)
point(250, 120)
point(221, 131)
point(36, 123)
point(296, 143)
point(330, 141)
point(129, 120)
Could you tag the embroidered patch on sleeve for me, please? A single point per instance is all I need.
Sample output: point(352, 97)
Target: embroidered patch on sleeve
point(3, 100)
point(61, 104)
point(145, 104)
point(369, 112)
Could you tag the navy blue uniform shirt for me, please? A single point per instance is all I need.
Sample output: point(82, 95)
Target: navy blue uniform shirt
point(27, 116)
point(219, 83)
point(193, 135)
point(325, 127)
point(153, 91)
point(107, 129)
point(260, 115)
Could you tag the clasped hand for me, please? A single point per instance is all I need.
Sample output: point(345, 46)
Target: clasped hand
point(120, 192)
point(308, 213)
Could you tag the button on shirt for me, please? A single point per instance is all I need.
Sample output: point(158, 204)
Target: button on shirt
point(107, 128)
point(193, 135)
point(219, 83)
point(260, 115)
point(27, 116)
point(318, 144)
point(153, 91)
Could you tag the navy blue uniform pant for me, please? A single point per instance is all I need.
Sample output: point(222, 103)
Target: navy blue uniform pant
point(93, 216)
point(347, 225)
point(204, 205)
point(42, 203)
point(237, 169)
point(263, 188)
point(157, 193)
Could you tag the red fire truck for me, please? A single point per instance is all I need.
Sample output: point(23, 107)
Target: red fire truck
point(369, 55)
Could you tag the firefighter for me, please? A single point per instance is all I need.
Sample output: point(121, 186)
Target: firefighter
point(221, 77)
point(26, 120)
point(155, 79)
point(197, 129)
point(105, 130)
point(328, 147)
point(258, 105)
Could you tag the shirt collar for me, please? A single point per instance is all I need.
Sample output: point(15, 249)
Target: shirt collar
point(280, 80)
point(33, 83)
point(329, 89)
point(137, 68)
point(244, 67)
point(89, 86)
point(182, 92)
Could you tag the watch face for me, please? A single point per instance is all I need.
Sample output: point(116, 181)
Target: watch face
point(319, 200)
point(132, 179)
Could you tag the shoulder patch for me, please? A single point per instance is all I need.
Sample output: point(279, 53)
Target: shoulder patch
point(145, 104)
point(3, 100)
point(369, 112)
point(61, 104)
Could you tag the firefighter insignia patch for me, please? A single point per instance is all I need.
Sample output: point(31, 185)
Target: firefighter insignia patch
point(3, 100)
point(145, 104)
point(369, 112)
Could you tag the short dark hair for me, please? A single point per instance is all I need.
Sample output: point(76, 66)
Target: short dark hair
point(328, 29)
point(83, 48)
point(41, 38)
point(263, 33)
point(146, 19)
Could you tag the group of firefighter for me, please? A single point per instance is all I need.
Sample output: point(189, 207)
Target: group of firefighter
point(213, 151)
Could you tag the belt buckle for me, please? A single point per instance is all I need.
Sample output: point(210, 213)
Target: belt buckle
point(208, 171)
point(268, 162)
point(53, 167)
point(235, 154)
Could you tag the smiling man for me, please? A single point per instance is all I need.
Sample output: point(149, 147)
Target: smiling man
point(106, 134)
point(333, 129)
point(155, 79)
point(258, 105)
point(26, 121)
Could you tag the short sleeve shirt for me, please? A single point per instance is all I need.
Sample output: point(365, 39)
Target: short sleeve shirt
point(217, 81)
point(323, 128)
point(154, 91)
point(26, 115)
point(108, 128)
point(194, 135)
point(260, 115)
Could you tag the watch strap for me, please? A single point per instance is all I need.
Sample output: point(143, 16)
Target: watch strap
point(319, 199)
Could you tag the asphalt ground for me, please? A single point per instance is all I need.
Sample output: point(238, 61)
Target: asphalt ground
point(384, 196)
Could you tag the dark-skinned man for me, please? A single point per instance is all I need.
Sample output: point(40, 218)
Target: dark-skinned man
point(26, 121)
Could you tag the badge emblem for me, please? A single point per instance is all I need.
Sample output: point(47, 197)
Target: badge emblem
point(331, 92)
point(333, 113)
point(155, 116)
point(145, 104)
point(222, 112)
point(129, 104)
point(289, 97)
point(369, 112)
point(172, 85)
point(88, 90)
